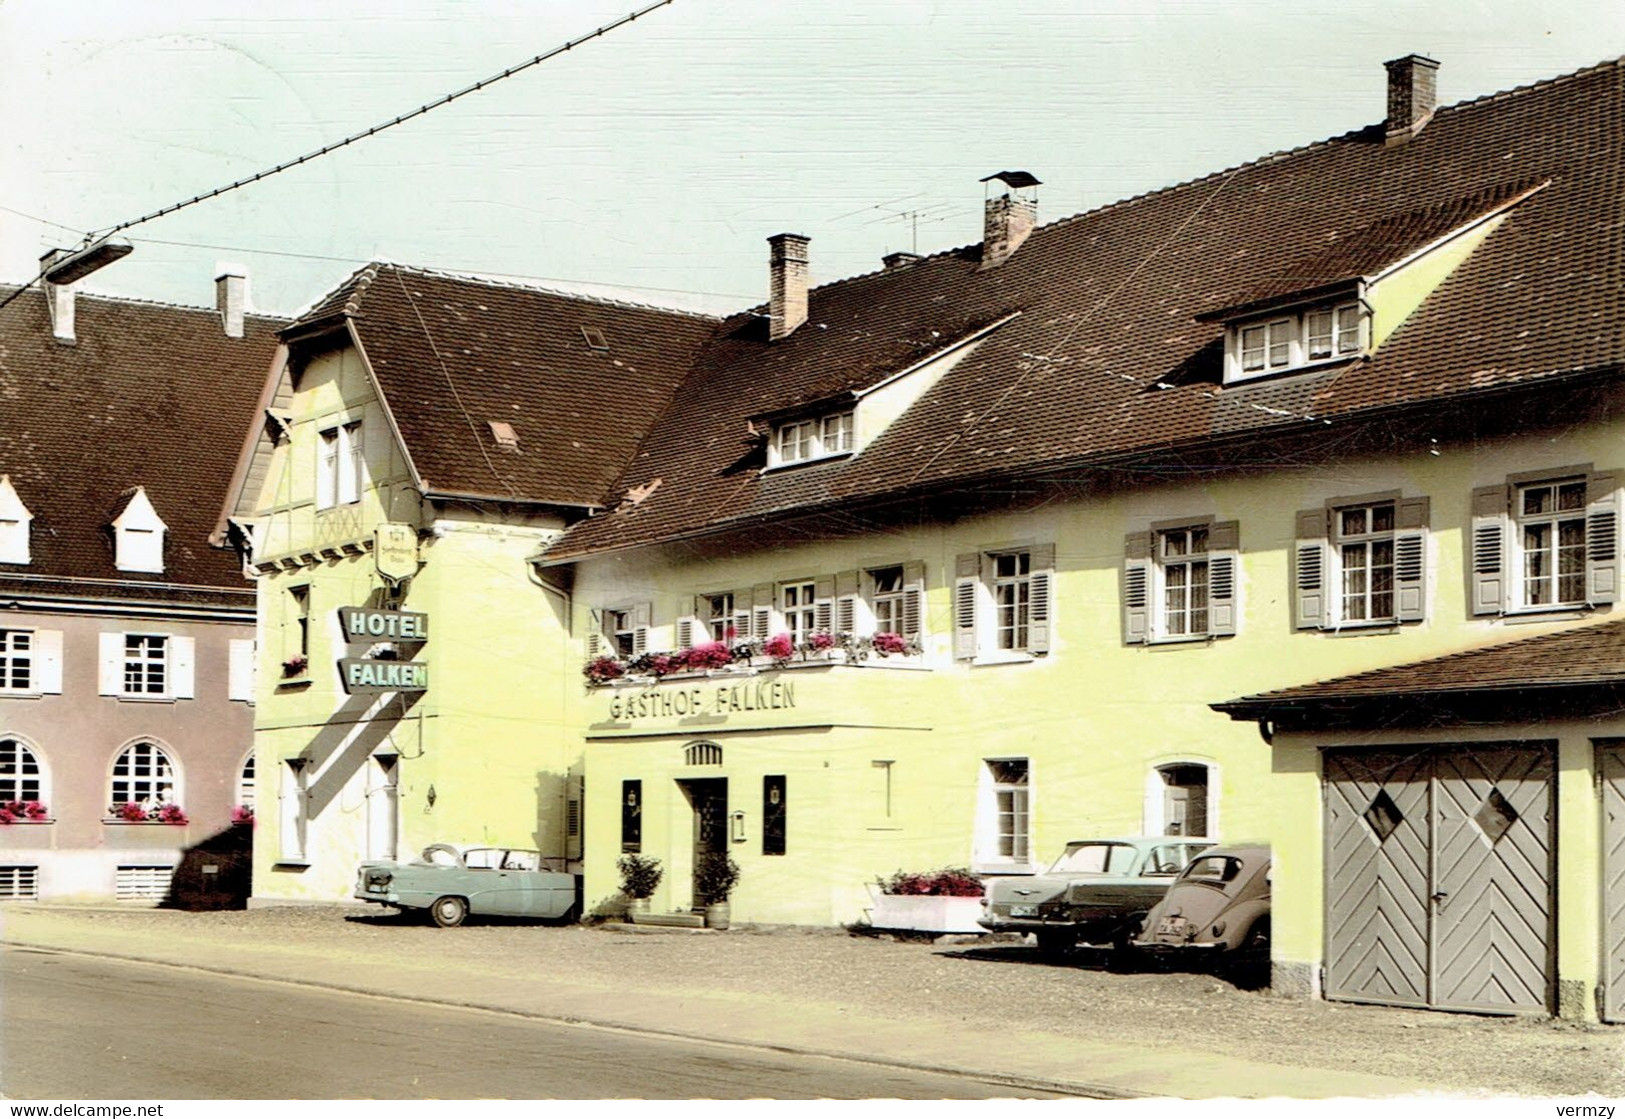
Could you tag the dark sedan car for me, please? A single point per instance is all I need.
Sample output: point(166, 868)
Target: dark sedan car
point(1097, 892)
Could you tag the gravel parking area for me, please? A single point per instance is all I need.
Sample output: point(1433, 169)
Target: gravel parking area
point(973, 986)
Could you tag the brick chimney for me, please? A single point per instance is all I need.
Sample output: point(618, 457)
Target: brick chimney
point(58, 298)
point(1008, 218)
point(1413, 94)
point(787, 284)
point(231, 297)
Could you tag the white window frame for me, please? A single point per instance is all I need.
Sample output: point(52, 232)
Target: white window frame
point(1192, 563)
point(138, 536)
point(18, 670)
point(717, 616)
point(151, 777)
point(1284, 341)
point(341, 465)
point(1004, 801)
point(176, 665)
point(620, 632)
point(1368, 541)
point(812, 438)
point(1498, 580)
point(247, 784)
point(1156, 793)
point(145, 661)
point(798, 609)
point(888, 592)
point(1554, 521)
point(1004, 604)
point(22, 768)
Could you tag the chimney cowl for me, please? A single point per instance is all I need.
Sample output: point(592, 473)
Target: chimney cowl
point(787, 284)
point(1413, 94)
point(231, 298)
point(894, 261)
point(1008, 218)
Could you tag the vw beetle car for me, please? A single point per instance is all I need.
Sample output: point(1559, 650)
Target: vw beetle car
point(1220, 904)
point(451, 881)
point(1097, 892)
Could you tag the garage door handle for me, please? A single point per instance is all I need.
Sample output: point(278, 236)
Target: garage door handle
point(1441, 895)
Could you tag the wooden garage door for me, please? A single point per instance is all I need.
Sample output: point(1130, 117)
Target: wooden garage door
point(1611, 760)
point(1439, 877)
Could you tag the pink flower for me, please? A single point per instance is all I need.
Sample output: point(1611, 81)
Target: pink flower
point(888, 643)
point(603, 669)
point(780, 647)
point(171, 814)
point(34, 810)
point(823, 641)
point(709, 654)
point(129, 811)
point(242, 814)
point(7, 816)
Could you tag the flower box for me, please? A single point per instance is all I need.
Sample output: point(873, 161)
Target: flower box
point(921, 913)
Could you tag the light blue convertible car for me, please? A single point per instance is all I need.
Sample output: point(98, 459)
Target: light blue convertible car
point(452, 881)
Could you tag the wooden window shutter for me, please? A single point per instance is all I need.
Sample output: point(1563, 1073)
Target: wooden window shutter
point(742, 614)
point(182, 667)
point(642, 618)
point(914, 600)
point(1311, 564)
point(1488, 593)
point(110, 663)
point(1041, 597)
point(846, 602)
point(595, 633)
point(761, 625)
point(688, 624)
point(1410, 559)
point(48, 661)
point(1223, 573)
point(824, 603)
point(1137, 588)
point(240, 669)
point(1602, 538)
point(967, 587)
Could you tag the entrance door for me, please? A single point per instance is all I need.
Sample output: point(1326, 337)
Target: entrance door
point(1611, 762)
point(709, 799)
point(1439, 877)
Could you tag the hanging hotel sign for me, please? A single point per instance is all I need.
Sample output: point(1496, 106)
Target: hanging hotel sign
point(370, 675)
point(395, 552)
point(361, 624)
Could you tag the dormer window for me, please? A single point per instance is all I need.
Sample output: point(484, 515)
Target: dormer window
point(138, 536)
point(14, 520)
point(1292, 340)
point(808, 439)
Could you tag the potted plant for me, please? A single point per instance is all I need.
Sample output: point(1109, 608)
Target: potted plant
point(640, 877)
point(714, 880)
point(947, 900)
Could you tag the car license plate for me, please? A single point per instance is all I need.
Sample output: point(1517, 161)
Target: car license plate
point(1171, 926)
point(1024, 911)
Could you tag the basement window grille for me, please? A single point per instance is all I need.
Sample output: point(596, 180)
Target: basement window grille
point(19, 882)
point(143, 883)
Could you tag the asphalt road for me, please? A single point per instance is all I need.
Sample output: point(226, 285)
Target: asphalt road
point(83, 1027)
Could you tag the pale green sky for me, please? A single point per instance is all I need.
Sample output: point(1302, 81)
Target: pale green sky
point(661, 156)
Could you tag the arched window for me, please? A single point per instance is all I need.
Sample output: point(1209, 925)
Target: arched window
point(20, 775)
point(245, 784)
point(702, 753)
point(1181, 799)
point(144, 775)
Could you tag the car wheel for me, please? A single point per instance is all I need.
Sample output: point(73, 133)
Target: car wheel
point(448, 912)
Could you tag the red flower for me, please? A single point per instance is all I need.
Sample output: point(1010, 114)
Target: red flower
point(888, 643)
point(129, 811)
point(780, 647)
point(171, 814)
point(823, 641)
point(709, 654)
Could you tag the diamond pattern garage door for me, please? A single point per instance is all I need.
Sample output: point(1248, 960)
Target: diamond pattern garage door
point(1439, 877)
point(1611, 759)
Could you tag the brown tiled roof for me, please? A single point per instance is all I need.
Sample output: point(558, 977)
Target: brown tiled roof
point(1368, 251)
point(1585, 655)
point(1108, 360)
point(452, 354)
point(150, 395)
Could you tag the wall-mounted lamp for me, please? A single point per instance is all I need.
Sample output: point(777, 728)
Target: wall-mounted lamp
point(736, 825)
point(298, 764)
